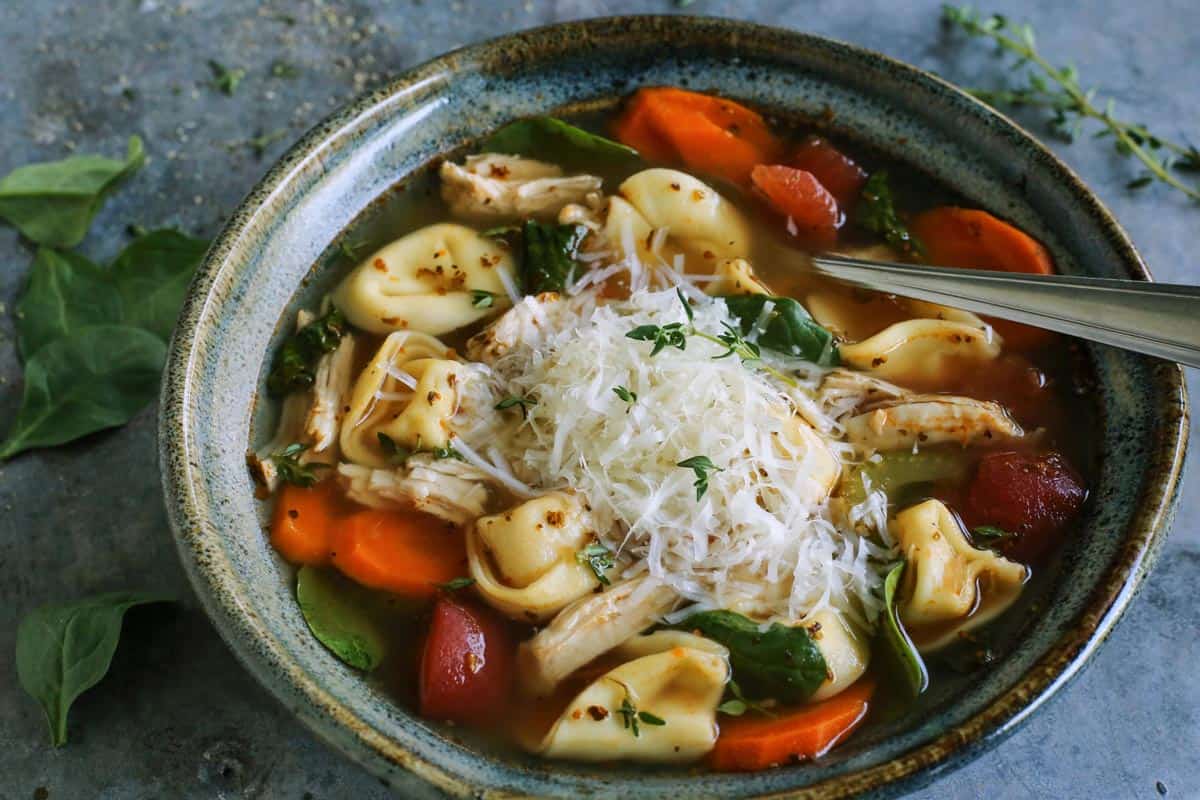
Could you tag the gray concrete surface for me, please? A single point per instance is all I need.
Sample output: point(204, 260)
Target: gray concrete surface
point(177, 717)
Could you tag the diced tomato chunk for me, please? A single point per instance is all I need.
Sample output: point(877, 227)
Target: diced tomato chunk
point(836, 171)
point(800, 197)
point(467, 664)
point(1033, 497)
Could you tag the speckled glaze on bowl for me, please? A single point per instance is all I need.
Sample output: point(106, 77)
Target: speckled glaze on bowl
point(261, 269)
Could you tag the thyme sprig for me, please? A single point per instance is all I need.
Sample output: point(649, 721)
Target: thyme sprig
point(599, 558)
point(292, 470)
point(701, 466)
point(1058, 89)
point(675, 334)
point(632, 716)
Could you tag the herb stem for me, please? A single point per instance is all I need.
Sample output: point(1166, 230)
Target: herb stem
point(767, 368)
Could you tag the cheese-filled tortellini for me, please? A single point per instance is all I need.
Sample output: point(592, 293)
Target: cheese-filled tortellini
point(676, 677)
point(736, 276)
point(846, 650)
point(922, 350)
point(424, 282)
point(408, 393)
point(694, 213)
point(949, 587)
point(820, 468)
point(524, 560)
point(930, 419)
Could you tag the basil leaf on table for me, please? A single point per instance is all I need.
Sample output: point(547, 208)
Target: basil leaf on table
point(53, 203)
point(902, 650)
point(550, 139)
point(548, 255)
point(789, 328)
point(62, 651)
point(338, 613)
point(65, 292)
point(93, 378)
point(781, 662)
point(152, 275)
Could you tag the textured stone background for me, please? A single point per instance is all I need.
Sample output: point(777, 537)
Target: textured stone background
point(177, 717)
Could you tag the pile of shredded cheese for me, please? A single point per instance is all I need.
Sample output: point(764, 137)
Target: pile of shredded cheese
point(756, 542)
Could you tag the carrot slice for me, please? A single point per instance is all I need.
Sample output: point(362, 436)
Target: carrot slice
point(709, 134)
point(751, 743)
point(403, 552)
point(974, 239)
point(302, 521)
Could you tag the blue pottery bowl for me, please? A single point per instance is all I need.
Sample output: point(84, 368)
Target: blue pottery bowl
point(277, 255)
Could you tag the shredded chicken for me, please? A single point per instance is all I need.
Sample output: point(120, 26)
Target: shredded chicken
point(523, 323)
point(445, 487)
point(495, 186)
point(929, 419)
point(334, 374)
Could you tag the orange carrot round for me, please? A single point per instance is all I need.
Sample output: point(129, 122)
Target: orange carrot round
point(303, 520)
point(755, 742)
point(974, 239)
point(708, 134)
point(403, 552)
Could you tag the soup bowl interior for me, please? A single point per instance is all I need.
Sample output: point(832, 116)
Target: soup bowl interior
point(278, 254)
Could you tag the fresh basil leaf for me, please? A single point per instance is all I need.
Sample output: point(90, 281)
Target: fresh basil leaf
point(548, 255)
point(901, 648)
point(62, 651)
point(876, 212)
point(152, 275)
point(53, 203)
point(65, 292)
point(782, 662)
point(338, 612)
point(789, 328)
point(93, 378)
point(550, 139)
point(295, 366)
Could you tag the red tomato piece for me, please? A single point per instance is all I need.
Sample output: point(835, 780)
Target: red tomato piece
point(1031, 496)
point(467, 663)
point(836, 171)
point(800, 197)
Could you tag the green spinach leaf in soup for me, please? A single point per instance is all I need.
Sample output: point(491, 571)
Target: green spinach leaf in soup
point(781, 662)
point(343, 617)
point(555, 141)
point(62, 651)
point(903, 652)
point(788, 327)
point(548, 255)
point(53, 203)
point(93, 378)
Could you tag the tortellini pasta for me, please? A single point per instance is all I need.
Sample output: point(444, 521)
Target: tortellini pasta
point(677, 677)
point(424, 282)
point(524, 560)
point(921, 350)
point(949, 587)
point(821, 468)
point(929, 419)
point(409, 393)
point(736, 276)
point(693, 212)
point(590, 627)
point(846, 650)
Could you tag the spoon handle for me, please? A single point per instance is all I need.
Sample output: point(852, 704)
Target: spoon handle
point(1157, 319)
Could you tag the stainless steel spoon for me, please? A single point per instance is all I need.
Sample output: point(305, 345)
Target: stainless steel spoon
point(1154, 318)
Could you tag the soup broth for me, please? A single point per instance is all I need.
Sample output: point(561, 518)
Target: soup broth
point(580, 455)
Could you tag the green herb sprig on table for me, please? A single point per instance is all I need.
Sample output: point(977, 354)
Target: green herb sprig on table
point(226, 79)
point(1058, 90)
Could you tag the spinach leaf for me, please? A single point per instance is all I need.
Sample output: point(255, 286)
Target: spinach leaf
point(93, 378)
point(789, 329)
point(338, 612)
point(62, 651)
point(550, 139)
point(877, 213)
point(65, 292)
point(53, 203)
point(152, 275)
point(548, 262)
point(781, 662)
point(904, 476)
point(295, 366)
point(903, 652)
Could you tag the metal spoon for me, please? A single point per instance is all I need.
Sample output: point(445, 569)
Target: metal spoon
point(1154, 318)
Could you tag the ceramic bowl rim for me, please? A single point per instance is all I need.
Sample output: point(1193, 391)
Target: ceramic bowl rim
point(954, 746)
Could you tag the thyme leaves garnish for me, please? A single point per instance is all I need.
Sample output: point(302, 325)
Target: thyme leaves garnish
point(702, 467)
